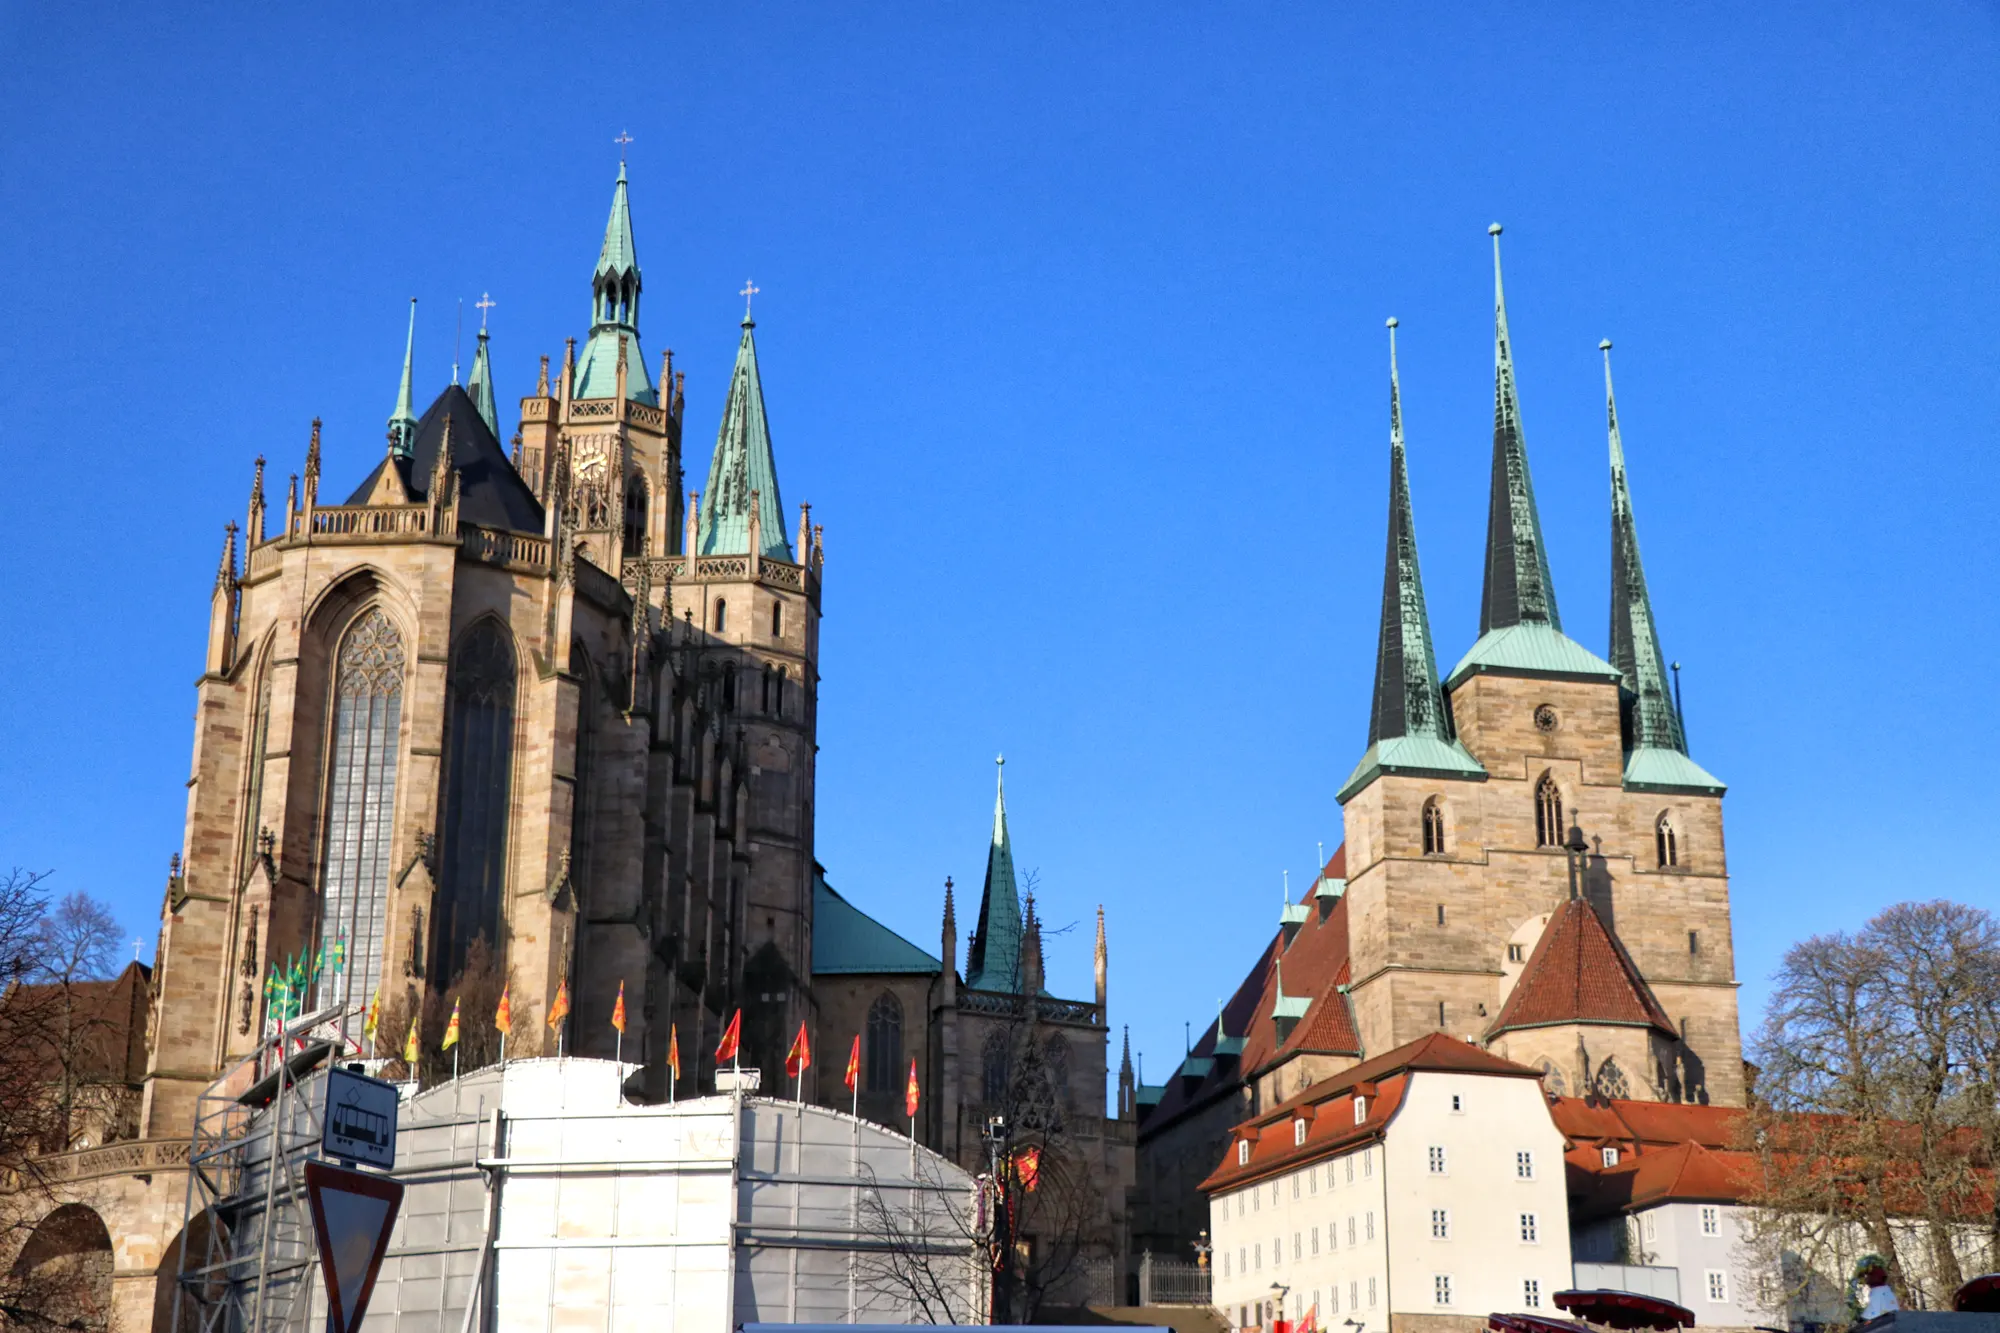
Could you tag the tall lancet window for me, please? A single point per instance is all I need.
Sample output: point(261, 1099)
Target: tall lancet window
point(1548, 813)
point(360, 808)
point(253, 790)
point(885, 1044)
point(478, 795)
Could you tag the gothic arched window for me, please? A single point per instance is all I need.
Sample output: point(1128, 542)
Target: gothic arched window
point(885, 1043)
point(1611, 1081)
point(1666, 843)
point(995, 1068)
point(1548, 813)
point(1433, 827)
point(478, 795)
point(635, 517)
point(360, 807)
point(253, 792)
point(777, 619)
point(721, 615)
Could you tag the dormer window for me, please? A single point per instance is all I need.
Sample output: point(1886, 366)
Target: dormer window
point(1610, 1156)
point(1243, 1153)
point(1298, 1133)
point(1360, 1109)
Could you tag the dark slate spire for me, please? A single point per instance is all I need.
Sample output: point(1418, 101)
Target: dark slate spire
point(993, 962)
point(1518, 586)
point(1520, 630)
point(1655, 745)
point(1409, 727)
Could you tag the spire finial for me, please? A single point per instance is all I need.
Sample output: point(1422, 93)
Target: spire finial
point(484, 304)
point(403, 422)
point(623, 141)
point(750, 290)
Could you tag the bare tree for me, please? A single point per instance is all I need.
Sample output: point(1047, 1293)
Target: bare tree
point(76, 944)
point(926, 1243)
point(475, 992)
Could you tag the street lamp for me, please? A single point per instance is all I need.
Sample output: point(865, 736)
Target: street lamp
point(1202, 1249)
point(1278, 1293)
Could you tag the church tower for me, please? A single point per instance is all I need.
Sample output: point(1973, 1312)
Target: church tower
point(523, 704)
point(1538, 819)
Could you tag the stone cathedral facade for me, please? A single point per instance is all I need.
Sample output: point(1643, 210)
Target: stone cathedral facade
point(1532, 862)
point(541, 695)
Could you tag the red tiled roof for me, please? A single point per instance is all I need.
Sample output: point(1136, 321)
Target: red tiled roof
point(1330, 1101)
point(1580, 973)
point(1315, 965)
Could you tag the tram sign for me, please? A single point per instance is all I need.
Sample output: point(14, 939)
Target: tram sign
point(360, 1120)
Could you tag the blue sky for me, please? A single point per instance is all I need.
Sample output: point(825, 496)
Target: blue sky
point(1071, 329)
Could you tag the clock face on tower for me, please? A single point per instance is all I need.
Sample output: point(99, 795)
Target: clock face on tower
point(593, 472)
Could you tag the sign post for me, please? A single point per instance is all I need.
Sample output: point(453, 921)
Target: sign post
point(353, 1213)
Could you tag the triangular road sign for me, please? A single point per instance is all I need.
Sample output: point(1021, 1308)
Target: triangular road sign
point(353, 1214)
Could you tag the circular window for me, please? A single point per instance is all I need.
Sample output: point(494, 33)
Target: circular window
point(1545, 719)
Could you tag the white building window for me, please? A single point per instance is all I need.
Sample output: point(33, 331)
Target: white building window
point(1333, 1293)
point(1225, 1263)
point(1531, 1293)
point(1243, 1153)
point(1315, 1240)
point(1242, 1259)
point(1367, 1162)
point(1360, 1109)
point(1295, 1187)
point(1350, 1230)
point(1369, 1226)
point(1350, 1170)
point(1256, 1201)
point(1651, 1226)
point(1440, 1224)
point(1354, 1294)
point(1298, 1245)
point(1371, 1293)
point(1711, 1220)
point(1610, 1156)
point(1277, 1250)
point(1524, 1165)
point(1258, 1252)
point(1312, 1180)
point(1457, 1102)
point(1437, 1159)
point(1298, 1133)
point(1529, 1231)
point(1441, 1288)
point(1718, 1286)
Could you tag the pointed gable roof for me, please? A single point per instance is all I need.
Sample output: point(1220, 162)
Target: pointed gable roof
point(993, 958)
point(1409, 728)
point(1520, 629)
point(1580, 973)
point(490, 493)
point(743, 463)
point(1656, 757)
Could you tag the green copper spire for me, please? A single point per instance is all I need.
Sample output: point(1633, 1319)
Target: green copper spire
point(1409, 729)
point(743, 463)
point(1656, 755)
point(993, 962)
point(1518, 587)
point(480, 386)
point(614, 311)
point(403, 421)
point(1520, 630)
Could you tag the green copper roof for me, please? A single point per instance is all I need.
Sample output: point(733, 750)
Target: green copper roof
point(614, 312)
point(743, 463)
point(1283, 1005)
point(1294, 914)
point(993, 961)
point(403, 421)
point(1648, 768)
point(847, 939)
point(1329, 888)
point(1409, 727)
point(480, 386)
point(1150, 1094)
point(1531, 649)
point(1518, 588)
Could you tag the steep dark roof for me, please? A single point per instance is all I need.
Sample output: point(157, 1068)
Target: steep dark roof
point(491, 493)
point(847, 939)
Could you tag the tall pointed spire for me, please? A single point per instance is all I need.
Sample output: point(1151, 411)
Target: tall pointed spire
point(1520, 630)
point(480, 386)
point(994, 960)
point(403, 421)
point(1409, 727)
point(614, 310)
point(1518, 586)
point(1655, 744)
point(743, 467)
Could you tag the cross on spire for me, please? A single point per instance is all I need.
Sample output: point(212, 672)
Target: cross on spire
point(482, 305)
point(624, 138)
point(750, 290)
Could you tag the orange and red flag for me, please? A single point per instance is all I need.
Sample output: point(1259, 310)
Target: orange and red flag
point(560, 1009)
point(910, 1092)
point(854, 1064)
point(1028, 1168)
point(732, 1037)
point(800, 1057)
point(674, 1049)
point(503, 1017)
point(618, 1009)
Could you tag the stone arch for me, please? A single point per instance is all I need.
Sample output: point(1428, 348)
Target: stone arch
point(64, 1270)
point(198, 1245)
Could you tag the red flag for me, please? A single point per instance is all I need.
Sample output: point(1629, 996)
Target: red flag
point(1028, 1168)
point(800, 1057)
point(560, 1009)
point(618, 1009)
point(1308, 1322)
point(910, 1092)
point(854, 1064)
point(674, 1049)
point(503, 1017)
point(732, 1037)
